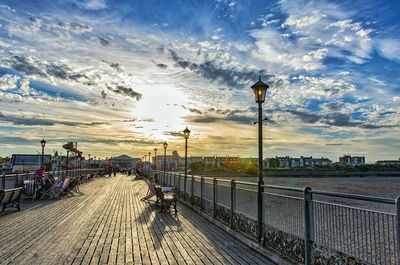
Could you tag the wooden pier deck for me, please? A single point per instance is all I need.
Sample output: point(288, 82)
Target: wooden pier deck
point(109, 224)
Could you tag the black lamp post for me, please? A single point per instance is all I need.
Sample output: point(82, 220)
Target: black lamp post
point(155, 159)
point(43, 144)
point(80, 163)
point(144, 165)
point(186, 134)
point(66, 170)
point(165, 145)
point(149, 153)
point(260, 89)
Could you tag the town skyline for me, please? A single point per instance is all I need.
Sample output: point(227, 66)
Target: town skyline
point(115, 80)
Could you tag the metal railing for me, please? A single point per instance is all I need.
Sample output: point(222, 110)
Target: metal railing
point(304, 225)
point(8, 181)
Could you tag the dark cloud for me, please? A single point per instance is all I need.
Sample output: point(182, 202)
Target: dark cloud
point(126, 91)
point(248, 116)
point(205, 119)
point(211, 71)
point(160, 65)
point(305, 117)
point(195, 110)
point(115, 66)
point(64, 72)
point(332, 106)
point(160, 49)
point(241, 119)
point(175, 134)
point(130, 120)
point(103, 41)
point(32, 121)
point(338, 119)
point(17, 140)
point(21, 64)
point(96, 123)
point(31, 66)
point(79, 28)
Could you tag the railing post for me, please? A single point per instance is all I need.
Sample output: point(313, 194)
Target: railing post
point(201, 193)
point(3, 181)
point(16, 180)
point(184, 188)
point(233, 202)
point(179, 185)
point(192, 191)
point(214, 197)
point(308, 226)
point(398, 228)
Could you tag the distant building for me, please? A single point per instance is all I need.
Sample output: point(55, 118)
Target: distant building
point(323, 162)
point(388, 162)
point(26, 162)
point(172, 162)
point(210, 161)
point(348, 160)
point(293, 162)
point(124, 161)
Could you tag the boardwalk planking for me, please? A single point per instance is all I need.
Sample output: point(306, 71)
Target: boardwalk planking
point(108, 224)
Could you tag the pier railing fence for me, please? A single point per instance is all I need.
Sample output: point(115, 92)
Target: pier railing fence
point(303, 225)
point(8, 181)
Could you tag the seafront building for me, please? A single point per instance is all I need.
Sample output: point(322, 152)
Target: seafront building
point(293, 162)
point(124, 161)
point(348, 160)
point(28, 162)
point(388, 162)
point(175, 162)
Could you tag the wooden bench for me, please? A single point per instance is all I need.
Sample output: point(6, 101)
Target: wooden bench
point(166, 197)
point(10, 198)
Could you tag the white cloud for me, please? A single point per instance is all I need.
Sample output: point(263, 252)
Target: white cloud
point(24, 86)
point(389, 48)
point(311, 32)
point(304, 21)
point(282, 54)
point(94, 4)
point(8, 82)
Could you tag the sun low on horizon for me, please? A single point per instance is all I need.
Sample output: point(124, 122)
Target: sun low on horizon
point(122, 77)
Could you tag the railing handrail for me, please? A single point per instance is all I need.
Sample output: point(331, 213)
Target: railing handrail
point(46, 172)
point(355, 196)
point(319, 192)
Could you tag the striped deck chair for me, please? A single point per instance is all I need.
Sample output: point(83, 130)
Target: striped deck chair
point(151, 192)
point(65, 185)
point(30, 189)
point(55, 190)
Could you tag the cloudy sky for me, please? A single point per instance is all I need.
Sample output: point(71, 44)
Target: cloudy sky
point(124, 76)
